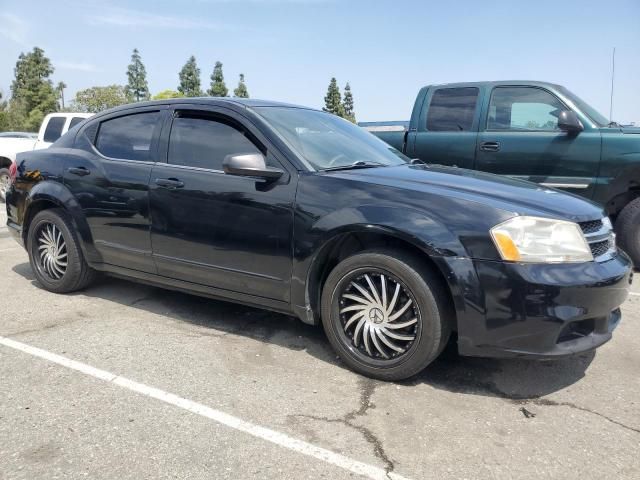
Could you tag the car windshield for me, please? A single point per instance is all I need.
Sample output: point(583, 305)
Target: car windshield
point(326, 141)
point(591, 112)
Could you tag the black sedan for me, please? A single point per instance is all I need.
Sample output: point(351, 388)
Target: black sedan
point(301, 212)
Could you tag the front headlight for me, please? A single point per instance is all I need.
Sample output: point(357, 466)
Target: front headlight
point(540, 240)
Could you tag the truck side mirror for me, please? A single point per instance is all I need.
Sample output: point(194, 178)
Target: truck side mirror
point(569, 122)
point(250, 165)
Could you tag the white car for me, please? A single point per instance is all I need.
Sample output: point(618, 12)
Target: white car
point(53, 127)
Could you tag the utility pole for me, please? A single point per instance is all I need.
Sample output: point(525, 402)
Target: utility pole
point(613, 71)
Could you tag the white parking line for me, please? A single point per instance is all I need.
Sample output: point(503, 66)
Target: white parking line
point(230, 421)
point(634, 294)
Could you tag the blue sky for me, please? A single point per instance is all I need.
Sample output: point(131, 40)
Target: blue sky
point(289, 49)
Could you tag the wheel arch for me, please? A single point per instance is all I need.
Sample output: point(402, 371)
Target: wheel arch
point(5, 162)
point(346, 242)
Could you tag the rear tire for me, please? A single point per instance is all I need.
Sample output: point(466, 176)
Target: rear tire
point(4, 184)
point(386, 314)
point(628, 230)
point(55, 255)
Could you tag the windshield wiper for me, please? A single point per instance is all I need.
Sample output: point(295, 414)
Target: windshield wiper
point(613, 124)
point(354, 165)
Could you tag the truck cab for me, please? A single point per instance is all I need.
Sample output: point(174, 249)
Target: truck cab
point(535, 131)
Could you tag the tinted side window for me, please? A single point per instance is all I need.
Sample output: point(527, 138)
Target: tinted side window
point(523, 108)
point(54, 129)
point(197, 141)
point(128, 137)
point(452, 109)
point(74, 121)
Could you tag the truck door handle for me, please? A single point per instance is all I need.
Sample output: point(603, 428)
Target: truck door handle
point(490, 146)
point(170, 183)
point(80, 171)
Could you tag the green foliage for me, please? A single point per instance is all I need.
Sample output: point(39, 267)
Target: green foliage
point(97, 99)
point(190, 79)
point(137, 88)
point(333, 99)
point(165, 94)
point(241, 90)
point(218, 88)
point(4, 115)
point(32, 92)
point(347, 104)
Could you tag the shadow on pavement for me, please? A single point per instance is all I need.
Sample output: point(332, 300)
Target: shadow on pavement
point(509, 379)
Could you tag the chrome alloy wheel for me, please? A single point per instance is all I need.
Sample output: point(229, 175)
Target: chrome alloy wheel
point(379, 315)
point(5, 181)
point(52, 251)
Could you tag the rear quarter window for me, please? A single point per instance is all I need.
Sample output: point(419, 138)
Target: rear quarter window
point(53, 130)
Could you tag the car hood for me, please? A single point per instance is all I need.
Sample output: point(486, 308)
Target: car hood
point(516, 196)
point(632, 130)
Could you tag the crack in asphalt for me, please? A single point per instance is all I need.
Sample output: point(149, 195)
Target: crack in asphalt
point(367, 389)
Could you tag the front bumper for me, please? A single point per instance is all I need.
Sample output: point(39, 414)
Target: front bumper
point(543, 311)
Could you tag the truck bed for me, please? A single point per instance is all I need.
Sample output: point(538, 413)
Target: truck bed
point(390, 132)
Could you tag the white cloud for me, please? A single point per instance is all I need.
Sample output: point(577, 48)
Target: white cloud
point(79, 66)
point(13, 28)
point(122, 17)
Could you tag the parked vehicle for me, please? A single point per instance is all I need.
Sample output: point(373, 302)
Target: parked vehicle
point(534, 131)
point(53, 127)
point(298, 211)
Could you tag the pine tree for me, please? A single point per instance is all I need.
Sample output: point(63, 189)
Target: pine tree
point(137, 88)
point(32, 92)
point(333, 100)
point(241, 91)
point(190, 79)
point(218, 88)
point(347, 104)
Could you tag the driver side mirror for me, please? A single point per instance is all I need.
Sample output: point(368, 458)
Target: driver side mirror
point(569, 122)
point(249, 165)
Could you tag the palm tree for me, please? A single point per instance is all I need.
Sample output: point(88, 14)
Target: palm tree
point(61, 86)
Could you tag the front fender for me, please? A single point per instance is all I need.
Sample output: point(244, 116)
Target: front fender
point(405, 224)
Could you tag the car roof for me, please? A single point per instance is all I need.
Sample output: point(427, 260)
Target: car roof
point(494, 83)
point(219, 101)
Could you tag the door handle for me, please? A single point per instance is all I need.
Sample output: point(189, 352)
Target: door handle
point(80, 171)
point(490, 146)
point(170, 183)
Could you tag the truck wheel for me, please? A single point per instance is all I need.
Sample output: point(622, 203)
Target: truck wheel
point(4, 183)
point(386, 315)
point(628, 230)
point(55, 255)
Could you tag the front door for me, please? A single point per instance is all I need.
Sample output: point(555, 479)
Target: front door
point(521, 139)
point(111, 183)
point(229, 232)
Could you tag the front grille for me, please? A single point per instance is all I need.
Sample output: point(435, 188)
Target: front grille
point(591, 226)
point(600, 248)
point(600, 237)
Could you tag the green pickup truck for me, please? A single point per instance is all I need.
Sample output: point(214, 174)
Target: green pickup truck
point(534, 131)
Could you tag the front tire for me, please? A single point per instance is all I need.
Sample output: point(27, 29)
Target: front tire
point(55, 255)
point(386, 314)
point(628, 230)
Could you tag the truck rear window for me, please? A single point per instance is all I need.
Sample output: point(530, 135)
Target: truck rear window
point(54, 129)
point(452, 109)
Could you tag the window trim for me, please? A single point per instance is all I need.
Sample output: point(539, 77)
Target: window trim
point(153, 146)
point(209, 115)
point(523, 130)
point(475, 110)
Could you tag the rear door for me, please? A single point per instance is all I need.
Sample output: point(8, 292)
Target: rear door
point(521, 138)
point(229, 232)
point(111, 183)
point(447, 128)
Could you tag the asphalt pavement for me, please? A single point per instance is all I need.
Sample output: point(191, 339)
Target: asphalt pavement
point(126, 381)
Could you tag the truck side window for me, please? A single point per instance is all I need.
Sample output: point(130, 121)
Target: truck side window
point(54, 129)
point(523, 108)
point(452, 109)
point(128, 137)
point(203, 142)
